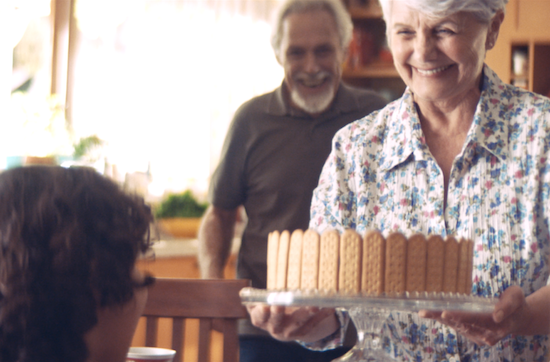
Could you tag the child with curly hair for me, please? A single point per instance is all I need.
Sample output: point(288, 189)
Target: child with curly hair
point(69, 289)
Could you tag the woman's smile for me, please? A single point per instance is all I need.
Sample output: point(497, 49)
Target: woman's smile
point(432, 71)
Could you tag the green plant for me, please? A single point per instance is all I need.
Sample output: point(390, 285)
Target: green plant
point(180, 205)
point(86, 145)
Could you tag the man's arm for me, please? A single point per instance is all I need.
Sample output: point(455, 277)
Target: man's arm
point(215, 238)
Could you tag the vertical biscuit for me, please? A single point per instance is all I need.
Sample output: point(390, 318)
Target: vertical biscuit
point(416, 263)
point(349, 274)
point(435, 263)
point(272, 255)
point(396, 263)
point(450, 269)
point(282, 259)
point(310, 260)
point(464, 273)
point(294, 270)
point(470, 277)
point(373, 262)
point(328, 260)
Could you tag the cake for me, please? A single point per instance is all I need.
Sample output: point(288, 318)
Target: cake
point(350, 263)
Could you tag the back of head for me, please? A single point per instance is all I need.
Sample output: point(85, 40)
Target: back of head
point(483, 10)
point(341, 16)
point(69, 240)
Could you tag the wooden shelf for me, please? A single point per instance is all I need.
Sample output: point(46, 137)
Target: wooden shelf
point(373, 70)
point(370, 12)
point(369, 47)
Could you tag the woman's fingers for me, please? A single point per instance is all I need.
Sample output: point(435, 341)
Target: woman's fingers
point(511, 300)
point(457, 317)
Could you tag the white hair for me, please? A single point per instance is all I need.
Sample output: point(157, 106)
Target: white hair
point(483, 10)
point(344, 24)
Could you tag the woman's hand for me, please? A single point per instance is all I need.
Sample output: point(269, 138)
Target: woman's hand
point(307, 324)
point(511, 315)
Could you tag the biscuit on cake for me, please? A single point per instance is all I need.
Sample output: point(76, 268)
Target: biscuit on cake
point(272, 255)
point(396, 263)
point(282, 259)
point(373, 262)
point(450, 268)
point(434, 263)
point(464, 273)
point(310, 260)
point(349, 274)
point(328, 260)
point(294, 269)
point(416, 264)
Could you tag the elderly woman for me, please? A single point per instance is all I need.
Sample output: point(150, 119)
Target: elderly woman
point(459, 153)
point(69, 290)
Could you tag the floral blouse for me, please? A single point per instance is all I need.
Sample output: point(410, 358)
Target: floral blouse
point(381, 175)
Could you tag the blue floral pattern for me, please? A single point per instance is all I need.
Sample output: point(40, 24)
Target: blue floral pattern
point(381, 175)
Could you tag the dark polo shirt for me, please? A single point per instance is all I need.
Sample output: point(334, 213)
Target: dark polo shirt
point(270, 163)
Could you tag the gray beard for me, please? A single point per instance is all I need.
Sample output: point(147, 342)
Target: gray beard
point(313, 105)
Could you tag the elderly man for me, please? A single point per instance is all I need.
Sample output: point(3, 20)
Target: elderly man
point(274, 152)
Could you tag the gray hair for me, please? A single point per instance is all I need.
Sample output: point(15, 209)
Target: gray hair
point(483, 10)
point(344, 24)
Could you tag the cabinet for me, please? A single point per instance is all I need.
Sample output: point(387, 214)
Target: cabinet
point(522, 52)
point(369, 63)
point(530, 63)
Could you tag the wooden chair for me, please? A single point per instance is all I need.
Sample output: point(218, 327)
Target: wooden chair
point(203, 299)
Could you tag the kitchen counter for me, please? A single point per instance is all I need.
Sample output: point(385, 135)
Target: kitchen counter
point(171, 248)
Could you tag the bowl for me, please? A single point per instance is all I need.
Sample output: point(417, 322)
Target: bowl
point(150, 354)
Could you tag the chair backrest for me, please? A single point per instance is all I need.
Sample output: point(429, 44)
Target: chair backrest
point(203, 299)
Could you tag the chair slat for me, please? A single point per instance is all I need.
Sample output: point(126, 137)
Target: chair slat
point(230, 340)
point(178, 327)
point(205, 327)
point(151, 331)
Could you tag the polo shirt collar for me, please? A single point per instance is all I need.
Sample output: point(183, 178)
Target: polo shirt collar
point(345, 101)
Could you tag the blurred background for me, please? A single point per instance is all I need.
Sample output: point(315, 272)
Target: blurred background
point(145, 89)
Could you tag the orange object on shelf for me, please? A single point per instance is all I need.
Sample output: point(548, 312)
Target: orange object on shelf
point(385, 55)
point(361, 49)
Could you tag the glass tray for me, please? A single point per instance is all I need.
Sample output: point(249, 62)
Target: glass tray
point(401, 302)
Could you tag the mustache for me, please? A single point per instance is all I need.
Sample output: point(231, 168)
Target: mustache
point(302, 76)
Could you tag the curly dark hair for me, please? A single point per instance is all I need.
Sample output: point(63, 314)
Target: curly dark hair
point(69, 240)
